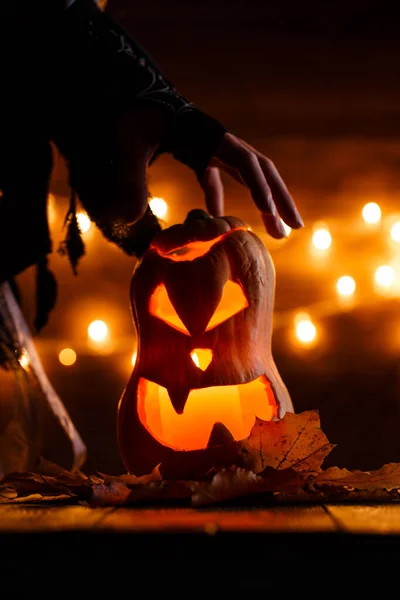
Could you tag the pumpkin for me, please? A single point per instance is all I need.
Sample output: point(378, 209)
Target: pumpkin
point(202, 298)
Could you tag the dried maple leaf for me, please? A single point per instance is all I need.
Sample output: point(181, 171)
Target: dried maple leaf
point(237, 482)
point(295, 441)
point(386, 478)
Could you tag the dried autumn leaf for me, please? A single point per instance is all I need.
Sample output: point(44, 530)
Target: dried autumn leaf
point(111, 493)
point(130, 479)
point(386, 478)
point(295, 441)
point(38, 499)
point(50, 469)
point(116, 493)
point(237, 482)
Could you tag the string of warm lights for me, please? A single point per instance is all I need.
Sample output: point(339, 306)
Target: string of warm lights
point(304, 322)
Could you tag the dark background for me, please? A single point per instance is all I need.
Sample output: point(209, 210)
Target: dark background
point(314, 86)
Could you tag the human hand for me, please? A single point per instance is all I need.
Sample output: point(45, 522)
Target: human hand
point(138, 138)
point(259, 174)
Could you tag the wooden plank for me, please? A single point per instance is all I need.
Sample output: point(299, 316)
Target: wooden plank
point(379, 519)
point(274, 520)
point(34, 519)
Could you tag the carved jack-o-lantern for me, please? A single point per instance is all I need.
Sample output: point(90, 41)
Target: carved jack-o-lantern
point(202, 300)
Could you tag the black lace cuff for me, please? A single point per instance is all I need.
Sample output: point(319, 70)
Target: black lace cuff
point(129, 77)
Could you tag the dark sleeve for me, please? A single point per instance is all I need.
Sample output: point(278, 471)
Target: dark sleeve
point(130, 75)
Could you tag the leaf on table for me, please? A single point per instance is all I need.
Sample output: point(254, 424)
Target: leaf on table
point(50, 469)
point(386, 478)
point(130, 479)
point(49, 480)
point(115, 493)
point(236, 482)
point(295, 441)
point(37, 499)
point(112, 493)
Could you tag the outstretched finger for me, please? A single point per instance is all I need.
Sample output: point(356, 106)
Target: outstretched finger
point(213, 190)
point(283, 200)
point(238, 157)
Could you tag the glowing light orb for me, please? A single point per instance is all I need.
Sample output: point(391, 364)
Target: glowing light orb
point(24, 360)
point(305, 329)
point(346, 285)
point(385, 276)
point(67, 357)
point(159, 207)
point(395, 232)
point(83, 221)
point(371, 213)
point(322, 238)
point(97, 331)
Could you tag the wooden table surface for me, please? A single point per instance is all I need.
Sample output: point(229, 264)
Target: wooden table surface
point(77, 551)
point(125, 533)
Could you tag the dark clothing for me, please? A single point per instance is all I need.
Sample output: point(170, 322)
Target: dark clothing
point(69, 71)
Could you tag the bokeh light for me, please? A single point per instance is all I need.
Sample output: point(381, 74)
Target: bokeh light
point(305, 329)
point(67, 357)
point(346, 285)
point(97, 331)
point(395, 232)
point(385, 276)
point(371, 213)
point(159, 207)
point(84, 221)
point(321, 238)
point(24, 360)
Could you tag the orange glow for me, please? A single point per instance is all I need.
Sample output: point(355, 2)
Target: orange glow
point(195, 249)
point(67, 357)
point(159, 207)
point(97, 331)
point(201, 357)
point(161, 307)
point(84, 222)
point(24, 359)
point(236, 406)
point(232, 301)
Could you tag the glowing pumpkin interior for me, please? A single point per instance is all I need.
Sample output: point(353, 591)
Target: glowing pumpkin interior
point(236, 406)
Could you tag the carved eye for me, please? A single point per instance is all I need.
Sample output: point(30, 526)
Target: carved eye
point(233, 301)
point(162, 308)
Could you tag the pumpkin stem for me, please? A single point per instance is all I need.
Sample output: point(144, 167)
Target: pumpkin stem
point(197, 213)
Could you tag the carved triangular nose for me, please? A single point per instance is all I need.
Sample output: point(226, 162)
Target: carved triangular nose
point(201, 357)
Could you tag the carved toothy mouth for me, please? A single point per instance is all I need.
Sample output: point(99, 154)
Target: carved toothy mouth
point(235, 406)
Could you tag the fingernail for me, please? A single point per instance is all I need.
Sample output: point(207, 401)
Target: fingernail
point(299, 221)
point(280, 227)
